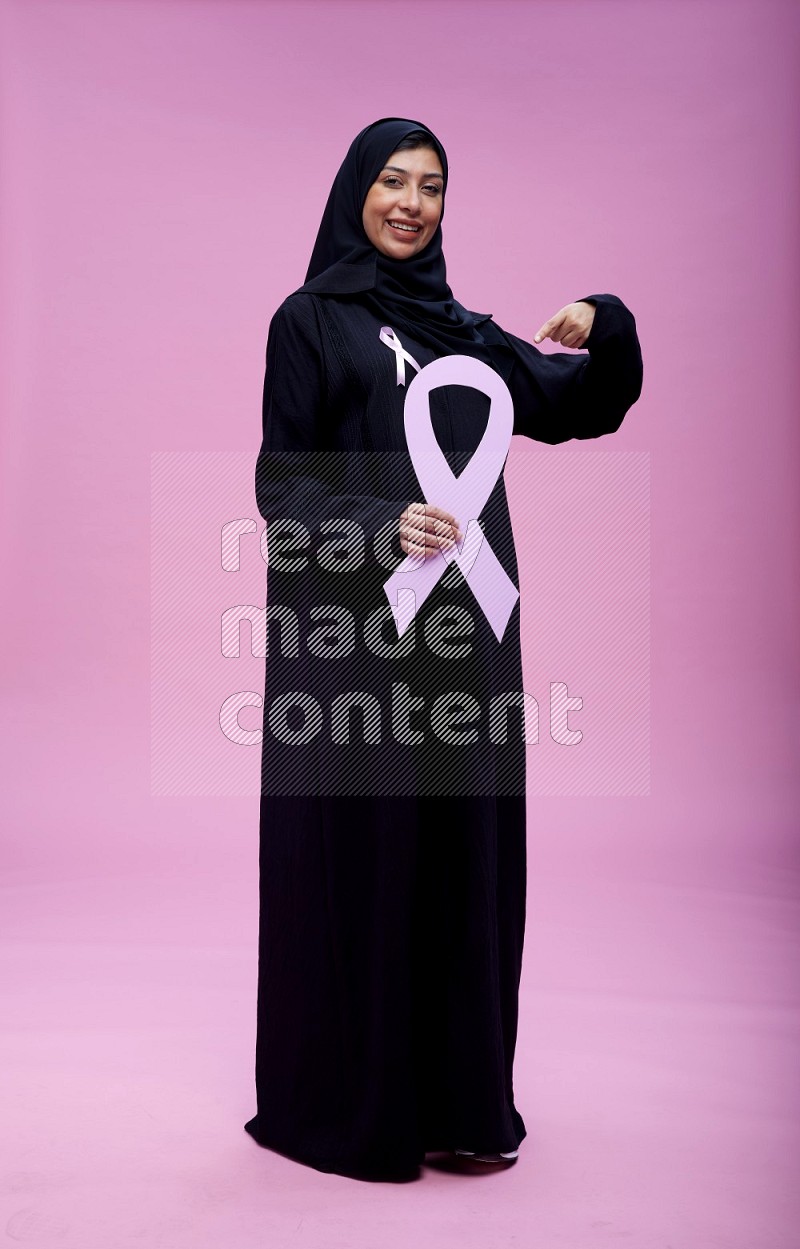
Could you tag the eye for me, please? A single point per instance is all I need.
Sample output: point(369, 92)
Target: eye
point(392, 180)
point(433, 187)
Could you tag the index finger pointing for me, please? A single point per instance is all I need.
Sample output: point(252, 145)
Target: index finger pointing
point(548, 327)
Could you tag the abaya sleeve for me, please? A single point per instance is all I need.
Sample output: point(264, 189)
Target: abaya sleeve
point(300, 475)
point(563, 395)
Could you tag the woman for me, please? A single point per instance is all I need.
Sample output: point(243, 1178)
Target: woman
point(392, 834)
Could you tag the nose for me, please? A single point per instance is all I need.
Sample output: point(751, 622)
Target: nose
point(409, 200)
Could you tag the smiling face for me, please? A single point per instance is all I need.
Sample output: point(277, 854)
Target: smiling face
point(404, 203)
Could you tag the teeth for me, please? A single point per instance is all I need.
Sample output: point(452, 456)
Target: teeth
point(396, 226)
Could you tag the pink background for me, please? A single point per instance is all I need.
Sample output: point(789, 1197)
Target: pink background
point(164, 168)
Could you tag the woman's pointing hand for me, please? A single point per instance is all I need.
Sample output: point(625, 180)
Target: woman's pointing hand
point(570, 325)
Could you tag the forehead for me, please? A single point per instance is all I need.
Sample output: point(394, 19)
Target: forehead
point(420, 160)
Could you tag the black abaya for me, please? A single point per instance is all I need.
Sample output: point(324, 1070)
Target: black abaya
point(392, 914)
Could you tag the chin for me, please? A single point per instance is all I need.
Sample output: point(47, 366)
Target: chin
point(399, 251)
point(404, 253)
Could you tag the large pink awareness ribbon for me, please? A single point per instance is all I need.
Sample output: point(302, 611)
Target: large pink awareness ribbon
point(464, 495)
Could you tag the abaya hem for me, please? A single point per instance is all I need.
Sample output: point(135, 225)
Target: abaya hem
point(372, 1169)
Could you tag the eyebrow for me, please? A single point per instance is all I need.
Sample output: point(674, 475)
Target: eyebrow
point(398, 169)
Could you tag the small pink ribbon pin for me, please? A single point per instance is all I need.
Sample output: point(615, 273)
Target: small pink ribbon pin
point(388, 336)
point(464, 495)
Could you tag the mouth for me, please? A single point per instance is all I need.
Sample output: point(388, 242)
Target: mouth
point(404, 229)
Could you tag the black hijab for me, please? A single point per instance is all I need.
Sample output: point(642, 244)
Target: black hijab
point(411, 294)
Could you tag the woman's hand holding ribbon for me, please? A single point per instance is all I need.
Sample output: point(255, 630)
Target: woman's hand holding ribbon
point(426, 529)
